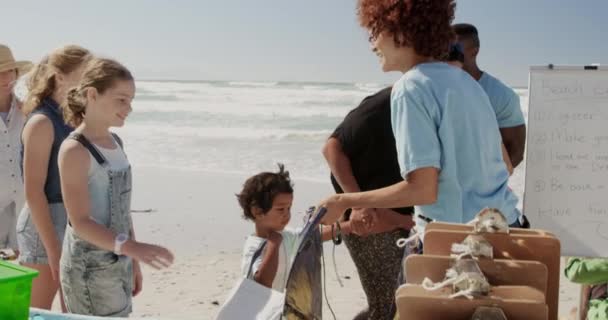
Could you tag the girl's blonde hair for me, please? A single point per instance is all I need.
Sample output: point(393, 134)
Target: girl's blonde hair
point(100, 74)
point(41, 83)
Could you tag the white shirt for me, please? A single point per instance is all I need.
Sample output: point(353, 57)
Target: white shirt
point(287, 253)
point(11, 186)
point(4, 116)
point(116, 158)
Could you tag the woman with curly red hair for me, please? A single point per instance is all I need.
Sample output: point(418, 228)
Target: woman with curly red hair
point(448, 143)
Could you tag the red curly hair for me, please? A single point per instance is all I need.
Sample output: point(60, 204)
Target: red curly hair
point(424, 25)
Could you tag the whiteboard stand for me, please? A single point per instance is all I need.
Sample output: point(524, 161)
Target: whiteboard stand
point(566, 184)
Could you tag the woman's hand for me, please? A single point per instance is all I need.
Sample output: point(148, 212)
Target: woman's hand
point(362, 221)
point(335, 209)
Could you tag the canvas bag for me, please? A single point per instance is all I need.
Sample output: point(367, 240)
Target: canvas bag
point(251, 300)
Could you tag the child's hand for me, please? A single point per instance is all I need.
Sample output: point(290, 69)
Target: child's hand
point(138, 278)
point(155, 256)
point(275, 238)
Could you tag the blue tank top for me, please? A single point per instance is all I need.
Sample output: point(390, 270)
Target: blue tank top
point(50, 109)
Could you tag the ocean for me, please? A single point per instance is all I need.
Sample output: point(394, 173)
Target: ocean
point(244, 127)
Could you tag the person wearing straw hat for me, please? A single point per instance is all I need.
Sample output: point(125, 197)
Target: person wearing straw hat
point(11, 124)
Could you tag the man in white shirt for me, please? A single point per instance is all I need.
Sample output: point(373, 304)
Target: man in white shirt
point(11, 124)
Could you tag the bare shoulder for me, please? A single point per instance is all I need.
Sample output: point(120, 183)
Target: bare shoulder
point(38, 126)
point(73, 149)
point(73, 155)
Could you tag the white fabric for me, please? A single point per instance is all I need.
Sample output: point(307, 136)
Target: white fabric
point(116, 158)
point(4, 116)
point(287, 253)
point(251, 300)
point(11, 186)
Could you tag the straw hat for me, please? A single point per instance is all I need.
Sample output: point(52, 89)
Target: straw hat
point(7, 61)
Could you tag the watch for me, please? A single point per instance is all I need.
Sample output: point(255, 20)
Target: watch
point(119, 241)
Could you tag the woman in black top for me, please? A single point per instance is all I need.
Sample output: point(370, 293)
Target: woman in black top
point(362, 156)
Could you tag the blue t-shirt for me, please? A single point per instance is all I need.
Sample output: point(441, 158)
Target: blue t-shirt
point(442, 118)
point(504, 101)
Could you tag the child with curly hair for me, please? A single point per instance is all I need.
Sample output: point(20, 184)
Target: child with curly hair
point(266, 200)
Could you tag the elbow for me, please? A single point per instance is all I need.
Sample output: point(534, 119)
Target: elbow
point(428, 196)
point(329, 148)
point(424, 185)
point(34, 193)
point(325, 150)
point(260, 279)
point(78, 224)
point(429, 199)
point(517, 158)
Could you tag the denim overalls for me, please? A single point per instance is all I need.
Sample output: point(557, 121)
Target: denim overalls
point(96, 281)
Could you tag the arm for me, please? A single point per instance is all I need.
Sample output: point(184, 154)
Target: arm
point(340, 166)
point(414, 126)
point(270, 261)
point(74, 164)
point(514, 140)
point(587, 271)
point(506, 159)
point(138, 277)
point(38, 138)
point(420, 188)
point(326, 234)
point(389, 220)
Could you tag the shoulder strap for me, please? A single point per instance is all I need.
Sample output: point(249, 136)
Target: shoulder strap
point(118, 139)
point(87, 144)
point(256, 255)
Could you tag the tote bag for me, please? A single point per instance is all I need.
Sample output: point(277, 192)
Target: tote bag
point(251, 300)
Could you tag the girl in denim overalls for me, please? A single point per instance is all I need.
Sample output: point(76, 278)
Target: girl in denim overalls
point(100, 261)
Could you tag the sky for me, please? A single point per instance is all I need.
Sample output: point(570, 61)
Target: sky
point(288, 40)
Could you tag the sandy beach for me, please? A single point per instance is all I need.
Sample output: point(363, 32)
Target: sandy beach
point(205, 94)
point(196, 215)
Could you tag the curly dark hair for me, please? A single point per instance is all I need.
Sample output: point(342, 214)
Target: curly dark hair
point(424, 25)
point(260, 190)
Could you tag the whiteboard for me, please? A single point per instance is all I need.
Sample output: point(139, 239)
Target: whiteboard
point(566, 185)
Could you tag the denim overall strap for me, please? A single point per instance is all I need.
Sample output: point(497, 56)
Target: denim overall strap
point(87, 144)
